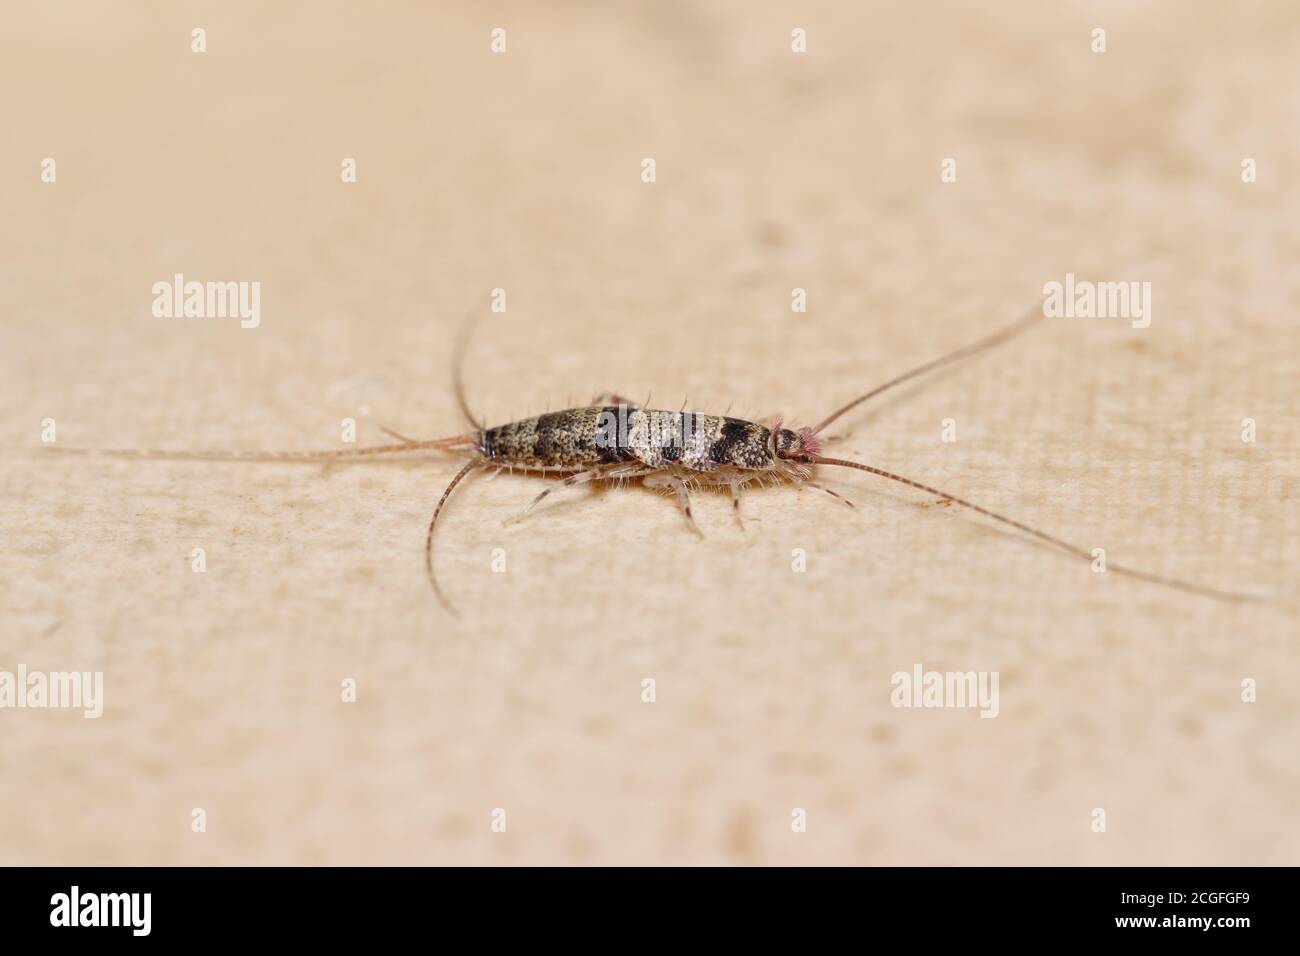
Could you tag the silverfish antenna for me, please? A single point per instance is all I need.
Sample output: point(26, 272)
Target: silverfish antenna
point(1056, 542)
point(984, 344)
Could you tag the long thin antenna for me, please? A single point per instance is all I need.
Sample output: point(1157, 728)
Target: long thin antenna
point(998, 338)
point(1040, 535)
point(428, 541)
point(182, 455)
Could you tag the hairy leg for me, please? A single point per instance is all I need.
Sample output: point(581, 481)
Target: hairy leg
point(578, 478)
point(665, 480)
point(735, 487)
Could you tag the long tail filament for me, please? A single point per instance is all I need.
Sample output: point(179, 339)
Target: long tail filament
point(428, 541)
point(456, 441)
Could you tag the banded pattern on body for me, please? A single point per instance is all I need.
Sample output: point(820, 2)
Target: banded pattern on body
point(613, 434)
point(557, 441)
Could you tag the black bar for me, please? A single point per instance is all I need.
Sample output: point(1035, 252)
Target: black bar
point(334, 906)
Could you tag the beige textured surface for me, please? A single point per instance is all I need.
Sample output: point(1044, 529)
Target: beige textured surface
point(775, 171)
